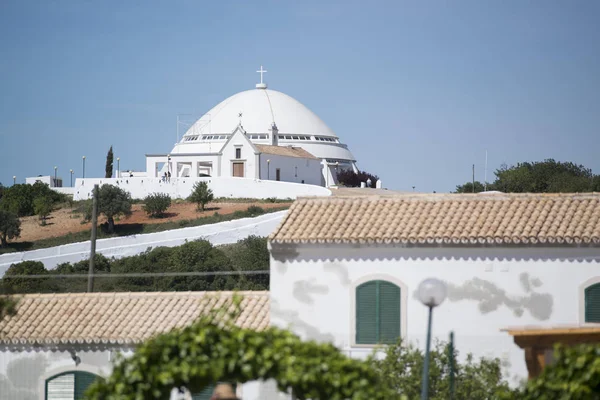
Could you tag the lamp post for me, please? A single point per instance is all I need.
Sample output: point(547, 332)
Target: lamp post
point(431, 292)
point(55, 170)
point(118, 167)
point(83, 158)
point(268, 169)
point(14, 179)
point(71, 171)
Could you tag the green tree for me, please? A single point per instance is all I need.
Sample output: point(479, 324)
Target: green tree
point(42, 206)
point(19, 198)
point(548, 176)
point(468, 187)
point(113, 202)
point(402, 367)
point(109, 164)
point(10, 227)
point(349, 178)
point(201, 195)
point(156, 204)
point(26, 285)
point(213, 349)
point(250, 254)
point(574, 375)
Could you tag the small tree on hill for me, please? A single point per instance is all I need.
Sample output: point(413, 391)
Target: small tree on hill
point(42, 206)
point(10, 227)
point(113, 202)
point(201, 195)
point(109, 163)
point(156, 204)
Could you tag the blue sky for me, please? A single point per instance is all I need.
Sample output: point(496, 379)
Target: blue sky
point(418, 90)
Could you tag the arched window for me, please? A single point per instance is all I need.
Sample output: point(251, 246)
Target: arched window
point(592, 303)
point(68, 385)
point(377, 312)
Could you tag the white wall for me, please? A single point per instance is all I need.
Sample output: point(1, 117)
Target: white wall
point(217, 234)
point(179, 188)
point(489, 289)
point(293, 169)
point(23, 372)
point(248, 156)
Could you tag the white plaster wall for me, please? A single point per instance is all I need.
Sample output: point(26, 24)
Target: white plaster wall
point(217, 234)
point(23, 373)
point(311, 292)
point(293, 169)
point(248, 156)
point(179, 188)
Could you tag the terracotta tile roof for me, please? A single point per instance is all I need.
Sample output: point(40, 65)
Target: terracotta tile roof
point(284, 151)
point(119, 318)
point(457, 219)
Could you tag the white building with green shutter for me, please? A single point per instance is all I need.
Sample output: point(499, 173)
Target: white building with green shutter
point(58, 344)
point(345, 269)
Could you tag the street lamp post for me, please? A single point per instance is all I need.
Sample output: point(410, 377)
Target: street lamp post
point(118, 167)
point(14, 179)
point(71, 171)
point(431, 292)
point(55, 170)
point(83, 158)
point(268, 169)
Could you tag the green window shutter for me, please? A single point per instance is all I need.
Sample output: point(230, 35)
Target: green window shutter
point(205, 394)
point(60, 387)
point(367, 313)
point(389, 312)
point(83, 380)
point(592, 303)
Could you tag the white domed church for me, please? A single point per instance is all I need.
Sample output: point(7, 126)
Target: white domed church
point(258, 134)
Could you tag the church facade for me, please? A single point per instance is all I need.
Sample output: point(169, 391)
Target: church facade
point(258, 121)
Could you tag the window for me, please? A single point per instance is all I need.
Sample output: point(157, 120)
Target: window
point(68, 385)
point(592, 303)
point(377, 312)
point(238, 153)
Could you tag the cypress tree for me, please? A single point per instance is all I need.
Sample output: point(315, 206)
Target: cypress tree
point(109, 163)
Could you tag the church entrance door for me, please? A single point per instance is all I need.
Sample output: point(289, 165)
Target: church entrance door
point(277, 174)
point(238, 169)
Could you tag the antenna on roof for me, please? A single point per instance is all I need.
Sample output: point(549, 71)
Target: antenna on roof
point(485, 174)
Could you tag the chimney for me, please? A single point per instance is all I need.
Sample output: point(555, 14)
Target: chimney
point(274, 134)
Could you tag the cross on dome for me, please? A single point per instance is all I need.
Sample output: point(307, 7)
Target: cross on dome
point(261, 85)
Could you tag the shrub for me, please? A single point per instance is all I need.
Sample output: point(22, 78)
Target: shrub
point(42, 207)
point(201, 195)
point(255, 210)
point(10, 227)
point(349, 178)
point(19, 199)
point(23, 285)
point(156, 204)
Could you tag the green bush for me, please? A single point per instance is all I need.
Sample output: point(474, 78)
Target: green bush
point(201, 195)
point(156, 204)
point(255, 210)
point(402, 367)
point(10, 227)
point(574, 375)
point(24, 285)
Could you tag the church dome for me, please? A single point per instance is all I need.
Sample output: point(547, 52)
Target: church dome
point(259, 109)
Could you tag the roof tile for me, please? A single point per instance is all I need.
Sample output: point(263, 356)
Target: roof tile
point(120, 317)
point(444, 218)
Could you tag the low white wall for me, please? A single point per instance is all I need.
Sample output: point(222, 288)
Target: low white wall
point(64, 190)
point(180, 188)
point(217, 234)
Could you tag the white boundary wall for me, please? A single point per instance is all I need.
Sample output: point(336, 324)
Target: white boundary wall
point(220, 233)
point(180, 188)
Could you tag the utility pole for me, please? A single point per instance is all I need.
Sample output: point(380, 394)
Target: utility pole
point(473, 178)
point(90, 286)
